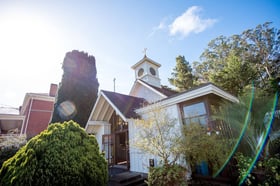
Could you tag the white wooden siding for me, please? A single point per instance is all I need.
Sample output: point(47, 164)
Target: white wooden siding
point(146, 93)
point(139, 160)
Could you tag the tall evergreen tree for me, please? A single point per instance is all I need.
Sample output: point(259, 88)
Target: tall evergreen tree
point(78, 89)
point(251, 55)
point(235, 76)
point(182, 76)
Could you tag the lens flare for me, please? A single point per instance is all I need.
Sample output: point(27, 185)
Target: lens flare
point(67, 110)
point(240, 136)
point(262, 142)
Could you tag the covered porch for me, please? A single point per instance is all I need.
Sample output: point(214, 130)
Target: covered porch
point(11, 124)
point(110, 127)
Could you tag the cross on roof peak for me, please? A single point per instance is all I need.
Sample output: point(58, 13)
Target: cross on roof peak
point(145, 51)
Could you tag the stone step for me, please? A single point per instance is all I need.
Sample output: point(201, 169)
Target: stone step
point(135, 182)
point(127, 179)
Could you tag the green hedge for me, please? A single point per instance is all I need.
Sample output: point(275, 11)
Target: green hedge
point(171, 175)
point(64, 154)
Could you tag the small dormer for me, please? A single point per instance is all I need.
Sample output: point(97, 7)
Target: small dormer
point(147, 70)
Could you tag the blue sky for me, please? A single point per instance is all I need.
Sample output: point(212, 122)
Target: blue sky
point(35, 35)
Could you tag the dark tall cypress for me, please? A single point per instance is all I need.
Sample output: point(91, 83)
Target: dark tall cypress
point(78, 89)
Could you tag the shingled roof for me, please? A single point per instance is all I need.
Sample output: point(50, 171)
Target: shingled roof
point(125, 104)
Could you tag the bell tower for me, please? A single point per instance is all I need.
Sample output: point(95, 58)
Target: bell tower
point(147, 70)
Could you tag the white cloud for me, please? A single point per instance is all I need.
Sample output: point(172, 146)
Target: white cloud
point(161, 26)
point(190, 22)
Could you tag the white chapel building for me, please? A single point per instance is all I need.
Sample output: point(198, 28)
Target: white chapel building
point(113, 117)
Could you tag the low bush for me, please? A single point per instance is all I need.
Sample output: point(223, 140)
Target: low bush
point(9, 145)
point(64, 154)
point(171, 175)
point(265, 172)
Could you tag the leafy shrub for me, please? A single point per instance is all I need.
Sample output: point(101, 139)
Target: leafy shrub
point(272, 168)
point(64, 154)
point(9, 145)
point(171, 175)
point(243, 165)
point(7, 153)
point(199, 146)
point(269, 168)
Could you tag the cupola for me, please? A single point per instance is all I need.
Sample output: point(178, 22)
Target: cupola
point(147, 70)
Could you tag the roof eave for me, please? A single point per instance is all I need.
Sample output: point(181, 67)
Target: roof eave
point(143, 60)
point(208, 89)
point(151, 88)
point(93, 109)
point(114, 107)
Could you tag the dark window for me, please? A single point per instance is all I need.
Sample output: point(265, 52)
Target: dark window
point(153, 72)
point(195, 113)
point(140, 72)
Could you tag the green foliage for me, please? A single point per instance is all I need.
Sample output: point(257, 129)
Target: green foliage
point(236, 115)
point(198, 146)
point(171, 175)
point(274, 146)
point(252, 109)
point(78, 89)
point(6, 153)
point(182, 76)
point(234, 76)
point(268, 168)
point(159, 136)
point(272, 170)
point(64, 154)
point(9, 145)
point(233, 62)
point(243, 164)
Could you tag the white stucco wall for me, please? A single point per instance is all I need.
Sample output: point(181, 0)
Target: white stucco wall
point(146, 93)
point(139, 160)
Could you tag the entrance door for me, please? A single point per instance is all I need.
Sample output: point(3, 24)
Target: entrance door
point(116, 148)
point(121, 148)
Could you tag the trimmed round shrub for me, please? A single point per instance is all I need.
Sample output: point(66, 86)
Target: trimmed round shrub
point(7, 153)
point(64, 154)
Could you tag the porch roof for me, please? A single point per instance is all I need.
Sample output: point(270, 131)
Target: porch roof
point(108, 102)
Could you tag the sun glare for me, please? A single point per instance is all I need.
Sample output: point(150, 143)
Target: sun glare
point(21, 35)
point(31, 46)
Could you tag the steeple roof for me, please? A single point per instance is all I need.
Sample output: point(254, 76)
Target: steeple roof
point(145, 58)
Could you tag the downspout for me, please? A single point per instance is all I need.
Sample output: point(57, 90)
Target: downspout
point(27, 121)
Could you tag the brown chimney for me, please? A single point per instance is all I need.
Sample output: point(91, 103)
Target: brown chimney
point(53, 90)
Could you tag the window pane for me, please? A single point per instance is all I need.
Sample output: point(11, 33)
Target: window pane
point(194, 110)
point(202, 120)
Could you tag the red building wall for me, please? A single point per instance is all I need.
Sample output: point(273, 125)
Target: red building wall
point(37, 116)
point(37, 109)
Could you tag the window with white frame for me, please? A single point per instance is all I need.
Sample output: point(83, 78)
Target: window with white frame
point(195, 113)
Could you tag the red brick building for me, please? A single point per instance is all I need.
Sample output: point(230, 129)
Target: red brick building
point(37, 109)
